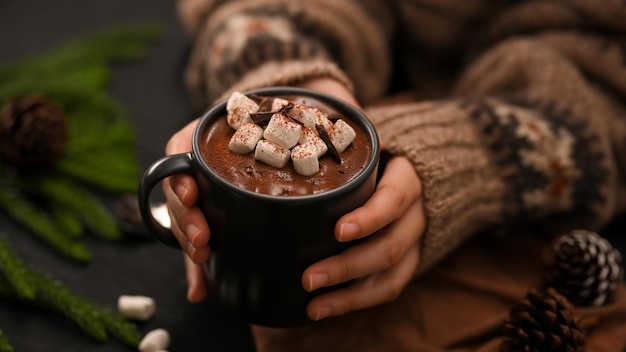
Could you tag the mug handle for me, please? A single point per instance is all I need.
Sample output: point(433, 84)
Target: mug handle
point(157, 172)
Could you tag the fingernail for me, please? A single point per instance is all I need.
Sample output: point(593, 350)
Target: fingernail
point(323, 312)
point(181, 191)
point(348, 231)
point(192, 233)
point(318, 280)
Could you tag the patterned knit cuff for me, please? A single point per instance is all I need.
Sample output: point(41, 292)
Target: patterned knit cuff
point(289, 73)
point(461, 189)
point(240, 37)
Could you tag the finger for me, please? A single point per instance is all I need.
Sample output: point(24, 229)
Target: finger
point(189, 227)
point(376, 289)
point(180, 142)
point(397, 190)
point(183, 187)
point(377, 253)
point(197, 289)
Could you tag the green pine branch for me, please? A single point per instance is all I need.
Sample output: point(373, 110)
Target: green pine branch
point(66, 220)
point(98, 175)
point(40, 224)
point(105, 46)
point(78, 200)
point(93, 319)
point(5, 345)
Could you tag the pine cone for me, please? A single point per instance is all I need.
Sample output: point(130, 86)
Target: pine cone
point(33, 131)
point(543, 322)
point(584, 267)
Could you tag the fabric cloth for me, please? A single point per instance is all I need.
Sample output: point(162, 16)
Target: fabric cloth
point(517, 116)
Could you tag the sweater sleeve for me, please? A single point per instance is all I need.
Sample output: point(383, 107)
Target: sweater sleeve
point(534, 132)
point(246, 44)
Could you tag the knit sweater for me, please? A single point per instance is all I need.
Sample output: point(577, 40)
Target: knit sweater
point(518, 111)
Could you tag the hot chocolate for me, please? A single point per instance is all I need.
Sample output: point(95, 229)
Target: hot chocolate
point(240, 163)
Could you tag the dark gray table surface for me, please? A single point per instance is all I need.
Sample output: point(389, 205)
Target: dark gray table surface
point(152, 90)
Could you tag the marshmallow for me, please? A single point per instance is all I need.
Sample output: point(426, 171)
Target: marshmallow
point(155, 340)
point(323, 120)
point(238, 116)
point(341, 135)
point(308, 136)
point(136, 307)
point(306, 115)
point(238, 99)
point(304, 158)
point(279, 103)
point(245, 138)
point(283, 131)
point(271, 154)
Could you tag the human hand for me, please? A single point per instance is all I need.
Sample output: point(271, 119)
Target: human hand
point(187, 221)
point(381, 265)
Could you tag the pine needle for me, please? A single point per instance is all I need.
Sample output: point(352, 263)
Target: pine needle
point(66, 220)
point(5, 346)
point(98, 176)
point(13, 271)
point(92, 318)
point(78, 200)
point(34, 219)
point(108, 45)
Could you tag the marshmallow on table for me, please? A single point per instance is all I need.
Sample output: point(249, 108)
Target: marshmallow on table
point(245, 138)
point(341, 134)
point(304, 158)
point(136, 307)
point(308, 136)
point(283, 131)
point(272, 154)
point(155, 340)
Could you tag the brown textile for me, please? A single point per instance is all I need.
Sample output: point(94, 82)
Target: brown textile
point(459, 305)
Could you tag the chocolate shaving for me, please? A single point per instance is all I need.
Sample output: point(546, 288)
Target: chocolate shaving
point(326, 138)
point(257, 98)
point(261, 118)
point(285, 111)
point(265, 104)
point(332, 117)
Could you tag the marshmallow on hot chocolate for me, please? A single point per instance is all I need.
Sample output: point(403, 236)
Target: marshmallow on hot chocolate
point(245, 138)
point(341, 134)
point(304, 158)
point(307, 136)
point(272, 154)
point(240, 100)
point(238, 116)
point(282, 131)
point(305, 115)
point(279, 103)
point(324, 121)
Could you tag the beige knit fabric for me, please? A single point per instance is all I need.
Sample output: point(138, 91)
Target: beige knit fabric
point(519, 113)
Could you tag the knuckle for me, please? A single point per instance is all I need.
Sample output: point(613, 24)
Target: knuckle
point(347, 270)
point(393, 252)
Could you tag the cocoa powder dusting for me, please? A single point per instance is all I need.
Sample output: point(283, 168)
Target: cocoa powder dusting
point(246, 172)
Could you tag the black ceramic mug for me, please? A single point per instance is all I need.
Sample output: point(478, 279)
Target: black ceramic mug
point(257, 259)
